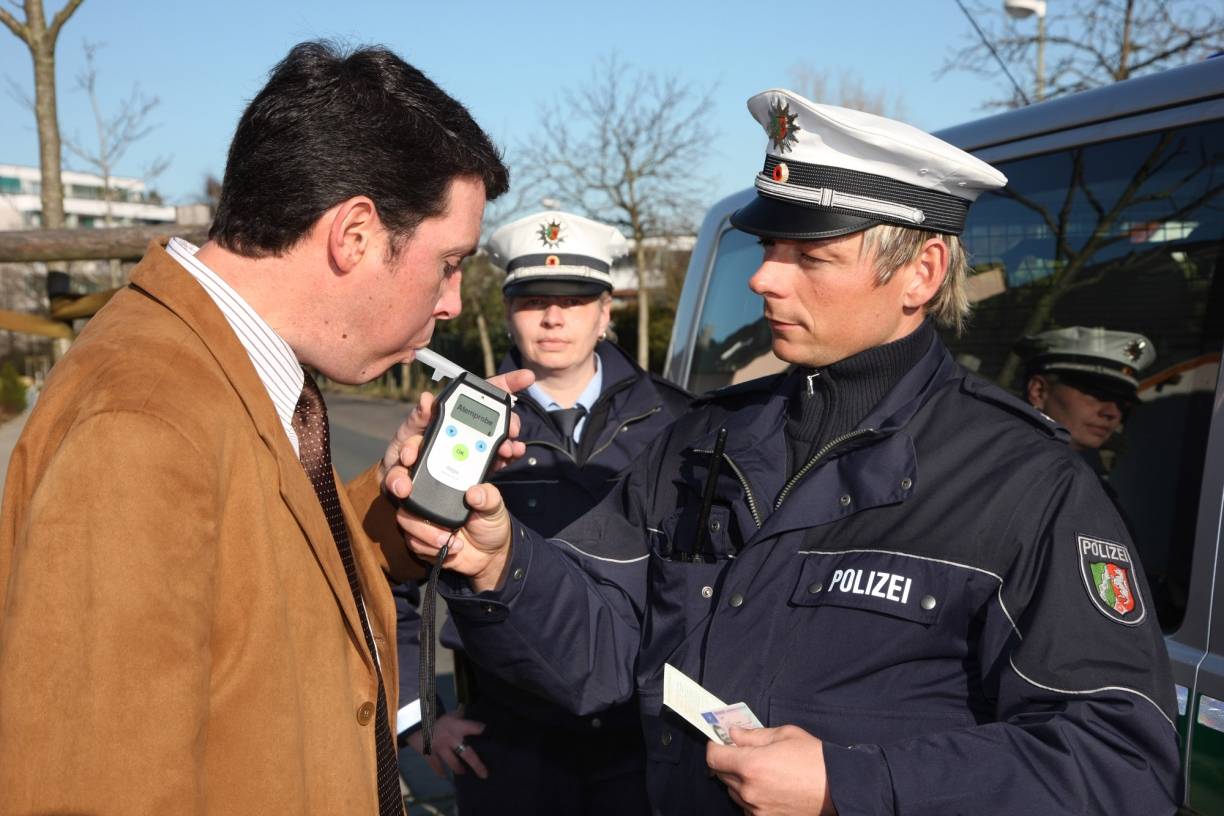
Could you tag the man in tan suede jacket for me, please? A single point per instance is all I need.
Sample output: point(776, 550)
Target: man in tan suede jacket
point(179, 631)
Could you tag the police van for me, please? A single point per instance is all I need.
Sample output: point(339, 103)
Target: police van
point(1113, 216)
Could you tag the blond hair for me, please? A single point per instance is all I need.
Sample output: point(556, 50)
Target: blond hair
point(895, 247)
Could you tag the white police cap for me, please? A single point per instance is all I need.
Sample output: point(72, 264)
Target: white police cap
point(1109, 358)
point(556, 253)
point(832, 171)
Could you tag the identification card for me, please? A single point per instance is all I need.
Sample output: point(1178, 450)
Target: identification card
point(722, 719)
point(701, 709)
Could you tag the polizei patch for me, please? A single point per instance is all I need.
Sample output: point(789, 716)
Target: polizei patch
point(1109, 577)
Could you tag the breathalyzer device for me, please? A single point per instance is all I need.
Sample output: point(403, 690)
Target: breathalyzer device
point(471, 420)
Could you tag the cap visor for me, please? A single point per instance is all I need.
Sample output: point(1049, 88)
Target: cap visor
point(556, 287)
point(773, 218)
point(1113, 386)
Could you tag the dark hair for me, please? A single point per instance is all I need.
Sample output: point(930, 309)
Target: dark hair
point(330, 126)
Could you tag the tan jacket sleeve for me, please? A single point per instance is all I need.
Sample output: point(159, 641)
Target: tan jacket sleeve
point(378, 520)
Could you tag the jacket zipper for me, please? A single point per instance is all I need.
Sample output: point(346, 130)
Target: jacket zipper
point(820, 454)
point(622, 427)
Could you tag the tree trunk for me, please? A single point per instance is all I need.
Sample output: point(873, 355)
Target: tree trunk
point(486, 345)
point(643, 302)
point(42, 51)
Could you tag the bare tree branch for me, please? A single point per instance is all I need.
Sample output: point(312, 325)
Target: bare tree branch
point(20, 30)
point(621, 149)
point(61, 17)
point(1090, 43)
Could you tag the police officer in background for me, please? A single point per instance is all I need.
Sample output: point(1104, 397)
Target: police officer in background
point(904, 571)
point(590, 413)
point(1085, 379)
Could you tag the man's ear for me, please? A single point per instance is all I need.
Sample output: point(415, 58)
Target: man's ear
point(929, 270)
point(350, 235)
point(1037, 390)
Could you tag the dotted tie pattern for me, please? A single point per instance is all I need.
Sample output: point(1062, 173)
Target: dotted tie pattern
point(314, 445)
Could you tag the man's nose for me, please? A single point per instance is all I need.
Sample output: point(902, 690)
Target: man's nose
point(450, 303)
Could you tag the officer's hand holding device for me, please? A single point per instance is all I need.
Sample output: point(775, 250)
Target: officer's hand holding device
point(471, 420)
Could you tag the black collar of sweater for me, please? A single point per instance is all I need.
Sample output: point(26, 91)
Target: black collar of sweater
point(832, 400)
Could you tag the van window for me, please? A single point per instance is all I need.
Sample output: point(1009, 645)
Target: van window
point(1125, 235)
point(733, 340)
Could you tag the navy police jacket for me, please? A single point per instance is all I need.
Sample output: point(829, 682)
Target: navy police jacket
point(945, 596)
point(549, 487)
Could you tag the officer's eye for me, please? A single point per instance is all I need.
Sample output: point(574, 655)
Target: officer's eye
point(765, 242)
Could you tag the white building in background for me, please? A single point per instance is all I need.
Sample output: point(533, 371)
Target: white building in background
point(658, 252)
point(85, 205)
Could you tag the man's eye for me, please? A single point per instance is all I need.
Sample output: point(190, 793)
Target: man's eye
point(449, 269)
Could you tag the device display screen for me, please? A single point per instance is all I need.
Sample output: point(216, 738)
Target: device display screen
point(477, 416)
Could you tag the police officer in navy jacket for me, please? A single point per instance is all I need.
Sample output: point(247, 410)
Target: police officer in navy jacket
point(904, 571)
point(590, 414)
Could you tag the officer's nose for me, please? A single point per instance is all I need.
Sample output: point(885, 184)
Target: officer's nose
point(763, 281)
point(1110, 410)
point(554, 315)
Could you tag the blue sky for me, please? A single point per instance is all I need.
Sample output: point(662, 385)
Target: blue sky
point(502, 59)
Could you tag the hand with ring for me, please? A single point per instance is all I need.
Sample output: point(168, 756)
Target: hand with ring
point(449, 749)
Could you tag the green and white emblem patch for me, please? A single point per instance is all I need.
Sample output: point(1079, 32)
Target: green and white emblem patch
point(1109, 577)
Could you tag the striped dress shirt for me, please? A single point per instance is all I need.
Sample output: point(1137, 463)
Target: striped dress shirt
point(275, 363)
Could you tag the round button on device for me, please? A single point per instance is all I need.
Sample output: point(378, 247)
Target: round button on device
point(481, 446)
point(460, 452)
point(451, 430)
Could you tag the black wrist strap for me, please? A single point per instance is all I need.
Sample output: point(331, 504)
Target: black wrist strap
point(428, 678)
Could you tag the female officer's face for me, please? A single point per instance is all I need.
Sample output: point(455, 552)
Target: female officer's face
point(557, 333)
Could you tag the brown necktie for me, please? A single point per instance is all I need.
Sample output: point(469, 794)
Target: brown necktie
point(310, 424)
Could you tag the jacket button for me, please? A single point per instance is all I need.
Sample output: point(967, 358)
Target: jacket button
point(845, 500)
point(531, 460)
point(531, 502)
point(488, 608)
point(737, 600)
point(707, 592)
point(596, 722)
point(814, 589)
point(715, 525)
point(666, 738)
point(907, 483)
point(517, 574)
point(365, 713)
point(927, 602)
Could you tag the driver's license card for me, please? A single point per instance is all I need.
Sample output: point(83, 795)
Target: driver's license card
point(720, 720)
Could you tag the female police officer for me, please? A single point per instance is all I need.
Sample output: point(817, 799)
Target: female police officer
point(590, 413)
point(902, 570)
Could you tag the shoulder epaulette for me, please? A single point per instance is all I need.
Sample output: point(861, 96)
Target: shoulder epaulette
point(745, 391)
point(1001, 398)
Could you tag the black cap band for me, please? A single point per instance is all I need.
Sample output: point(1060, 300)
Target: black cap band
point(558, 259)
point(821, 191)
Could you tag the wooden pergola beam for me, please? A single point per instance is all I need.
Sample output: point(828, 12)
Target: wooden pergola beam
point(120, 243)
